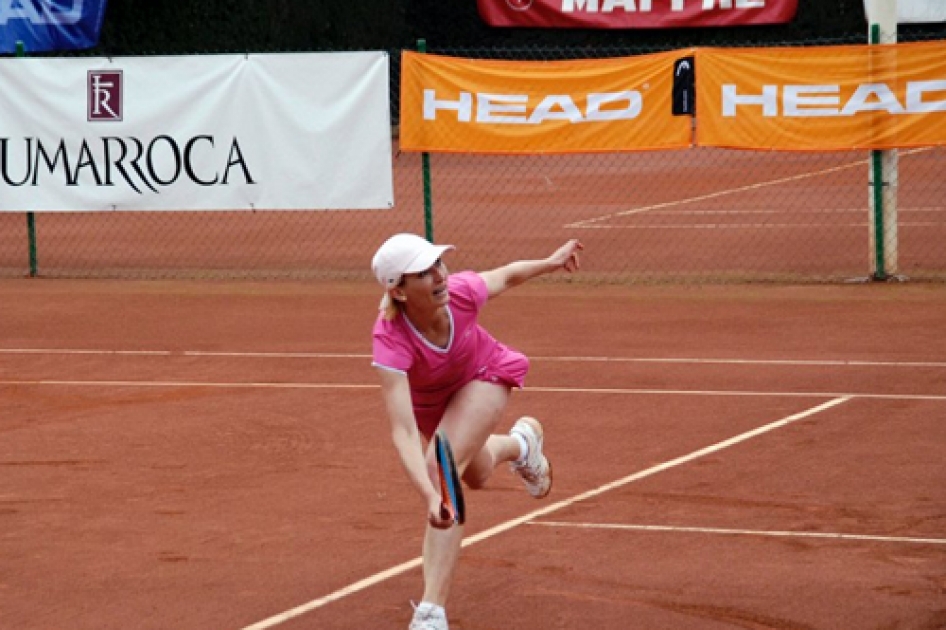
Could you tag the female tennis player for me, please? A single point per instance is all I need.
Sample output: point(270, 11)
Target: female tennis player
point(440, 369)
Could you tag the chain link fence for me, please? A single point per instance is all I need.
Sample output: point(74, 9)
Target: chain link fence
point(696, 215)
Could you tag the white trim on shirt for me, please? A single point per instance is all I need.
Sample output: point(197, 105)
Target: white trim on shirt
point(426, 341)
point(388, 368)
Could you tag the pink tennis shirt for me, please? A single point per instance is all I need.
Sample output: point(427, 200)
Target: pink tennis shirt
point(435, 374)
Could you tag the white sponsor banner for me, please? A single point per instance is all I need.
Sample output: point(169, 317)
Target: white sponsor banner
point(213, 132)
point(913, 11)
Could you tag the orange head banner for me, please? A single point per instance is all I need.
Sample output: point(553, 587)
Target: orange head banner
point(477, 106)
point(822, 99)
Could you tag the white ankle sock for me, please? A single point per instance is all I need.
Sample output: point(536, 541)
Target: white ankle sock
point(523, 447)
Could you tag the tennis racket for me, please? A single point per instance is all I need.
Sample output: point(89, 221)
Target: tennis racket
point(451, 491)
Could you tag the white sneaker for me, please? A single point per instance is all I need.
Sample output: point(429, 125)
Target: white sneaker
point(536, 471)
point(427, 616)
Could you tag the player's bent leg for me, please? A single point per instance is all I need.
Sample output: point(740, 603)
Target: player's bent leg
point(497, 450)
point(470, 419)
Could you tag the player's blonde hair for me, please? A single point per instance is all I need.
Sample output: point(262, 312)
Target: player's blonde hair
point(390, 309)
point(389, 306)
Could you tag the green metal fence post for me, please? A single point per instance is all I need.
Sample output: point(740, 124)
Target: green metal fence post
point(30, 217)
point(425, 169)
point(877, 181)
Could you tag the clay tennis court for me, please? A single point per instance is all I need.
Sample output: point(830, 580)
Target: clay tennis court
point(213, 455)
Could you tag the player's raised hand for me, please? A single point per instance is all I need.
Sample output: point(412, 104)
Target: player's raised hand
point(567, 256)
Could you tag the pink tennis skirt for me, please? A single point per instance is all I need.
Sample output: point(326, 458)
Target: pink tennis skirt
point(506, 367)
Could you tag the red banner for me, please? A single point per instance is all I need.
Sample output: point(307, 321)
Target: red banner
point(632, 14)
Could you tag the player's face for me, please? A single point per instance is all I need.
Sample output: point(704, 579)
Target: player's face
point(427, 287)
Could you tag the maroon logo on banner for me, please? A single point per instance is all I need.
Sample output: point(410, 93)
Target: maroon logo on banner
point(105, 95)
point(519, 5)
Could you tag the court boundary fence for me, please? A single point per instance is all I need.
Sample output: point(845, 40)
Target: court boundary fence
point(428, 204)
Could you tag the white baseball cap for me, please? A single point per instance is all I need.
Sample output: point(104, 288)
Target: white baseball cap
point(404, 253)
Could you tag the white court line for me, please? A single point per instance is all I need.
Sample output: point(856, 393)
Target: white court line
point(793, 362)
point(516, 522)
point(744, 532)
point(557, 390)
point(585, 223)
point(185, 353)
point(575, 359)
point(709, 392)
point(68, 383)
point(793, 211)
point(754, 226)
point(135, 353)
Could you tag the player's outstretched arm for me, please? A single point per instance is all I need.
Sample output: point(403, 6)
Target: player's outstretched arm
point(396, 394)
point(565, 257)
